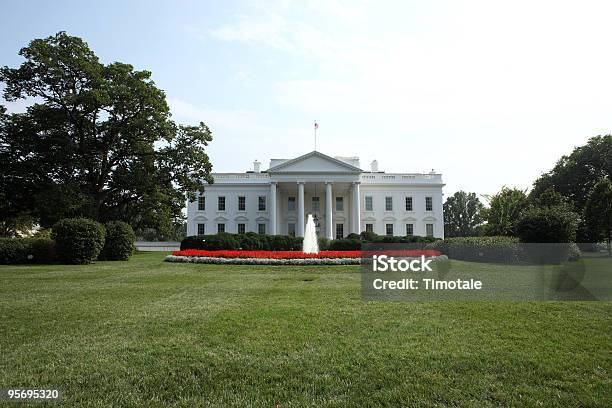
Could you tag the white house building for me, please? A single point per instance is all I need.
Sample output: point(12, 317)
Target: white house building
point(343, 198)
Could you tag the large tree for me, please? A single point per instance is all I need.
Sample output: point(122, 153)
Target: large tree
point(598, 211)
point(97, 142)
point(504, 211)
point(462, 215)
point(575, 175)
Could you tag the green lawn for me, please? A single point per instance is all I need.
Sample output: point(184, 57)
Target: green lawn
point(150, 333)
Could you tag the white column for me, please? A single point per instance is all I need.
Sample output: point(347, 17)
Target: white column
point(328, 210)
point(273, 208)
point(356, 224)
point(300, 220)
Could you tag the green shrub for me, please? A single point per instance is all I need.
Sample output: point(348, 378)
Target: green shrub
point(79, 240)
point(250, 241)
point(547, 224)
point(223, 240)
point(345, 244)
point(480, 249)
point(324, 243)
point(43, 250)
point(119, 240)
point(26, 250)
point(193, 242)
point(415, 239)
point(13, 251)
point(368, 236)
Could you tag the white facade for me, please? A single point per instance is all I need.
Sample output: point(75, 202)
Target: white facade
point(277, 201)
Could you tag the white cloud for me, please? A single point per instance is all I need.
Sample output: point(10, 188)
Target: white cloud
point(271, 30)
point(461, 86)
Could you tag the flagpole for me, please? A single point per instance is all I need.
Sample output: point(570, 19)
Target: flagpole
point(315, 134)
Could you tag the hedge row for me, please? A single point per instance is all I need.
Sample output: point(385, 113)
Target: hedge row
point(26, 250)
point(74, 241)
point(501, 249)
point(252, 241)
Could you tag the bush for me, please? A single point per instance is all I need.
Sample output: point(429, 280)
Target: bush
point(26, 250)
point(368, 236)
point(345, 244)
point(79, 240)
point(547, 224)
point(249, 241)
point(480, 249)
point(13, 251)
point(324, 243)
point(222, 240)
point(43, 250)
point(253, 242)
point(119, 240)
point(193, 242)
point(283, 243)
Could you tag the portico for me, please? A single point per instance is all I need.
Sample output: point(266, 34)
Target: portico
point(326, 182)
point(331, 203)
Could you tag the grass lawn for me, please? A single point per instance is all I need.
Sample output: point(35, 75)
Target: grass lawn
point(150, 333)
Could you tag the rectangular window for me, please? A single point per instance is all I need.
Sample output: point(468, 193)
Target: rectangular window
point(408, 203)
point(241, 228)
point(220, 228)
point(429, 230)
point(261, 229)
point(339, 203)
point(261, 203)
point(291, 203)
point(428, 204)
point(389, 229)
point(369, 204)
point(201, 229)
point(409, 230)
point(241, 203)
point(201, 203)
point(316, 205)
point(369, 227)
point(221, 203)
point(339, 231)
point(291, 229)
point(388, 203)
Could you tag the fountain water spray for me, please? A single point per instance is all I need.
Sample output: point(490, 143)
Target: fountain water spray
point(310, 244)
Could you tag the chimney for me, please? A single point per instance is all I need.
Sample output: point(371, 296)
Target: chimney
point(256, 166)
point(374, 166)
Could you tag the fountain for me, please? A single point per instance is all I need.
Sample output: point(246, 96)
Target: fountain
point(310, 244)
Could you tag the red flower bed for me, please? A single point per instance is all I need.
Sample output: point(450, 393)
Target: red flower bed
point(298, 254)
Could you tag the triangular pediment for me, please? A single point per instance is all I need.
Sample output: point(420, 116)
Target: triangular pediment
point(314, 162)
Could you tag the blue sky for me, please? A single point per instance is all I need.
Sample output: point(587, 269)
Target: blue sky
point(488, 93)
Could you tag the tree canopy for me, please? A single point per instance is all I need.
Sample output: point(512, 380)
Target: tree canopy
point(598, 211)
point(504, 211)
point(98, 141)
point(575, 175)
point(462, 214)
